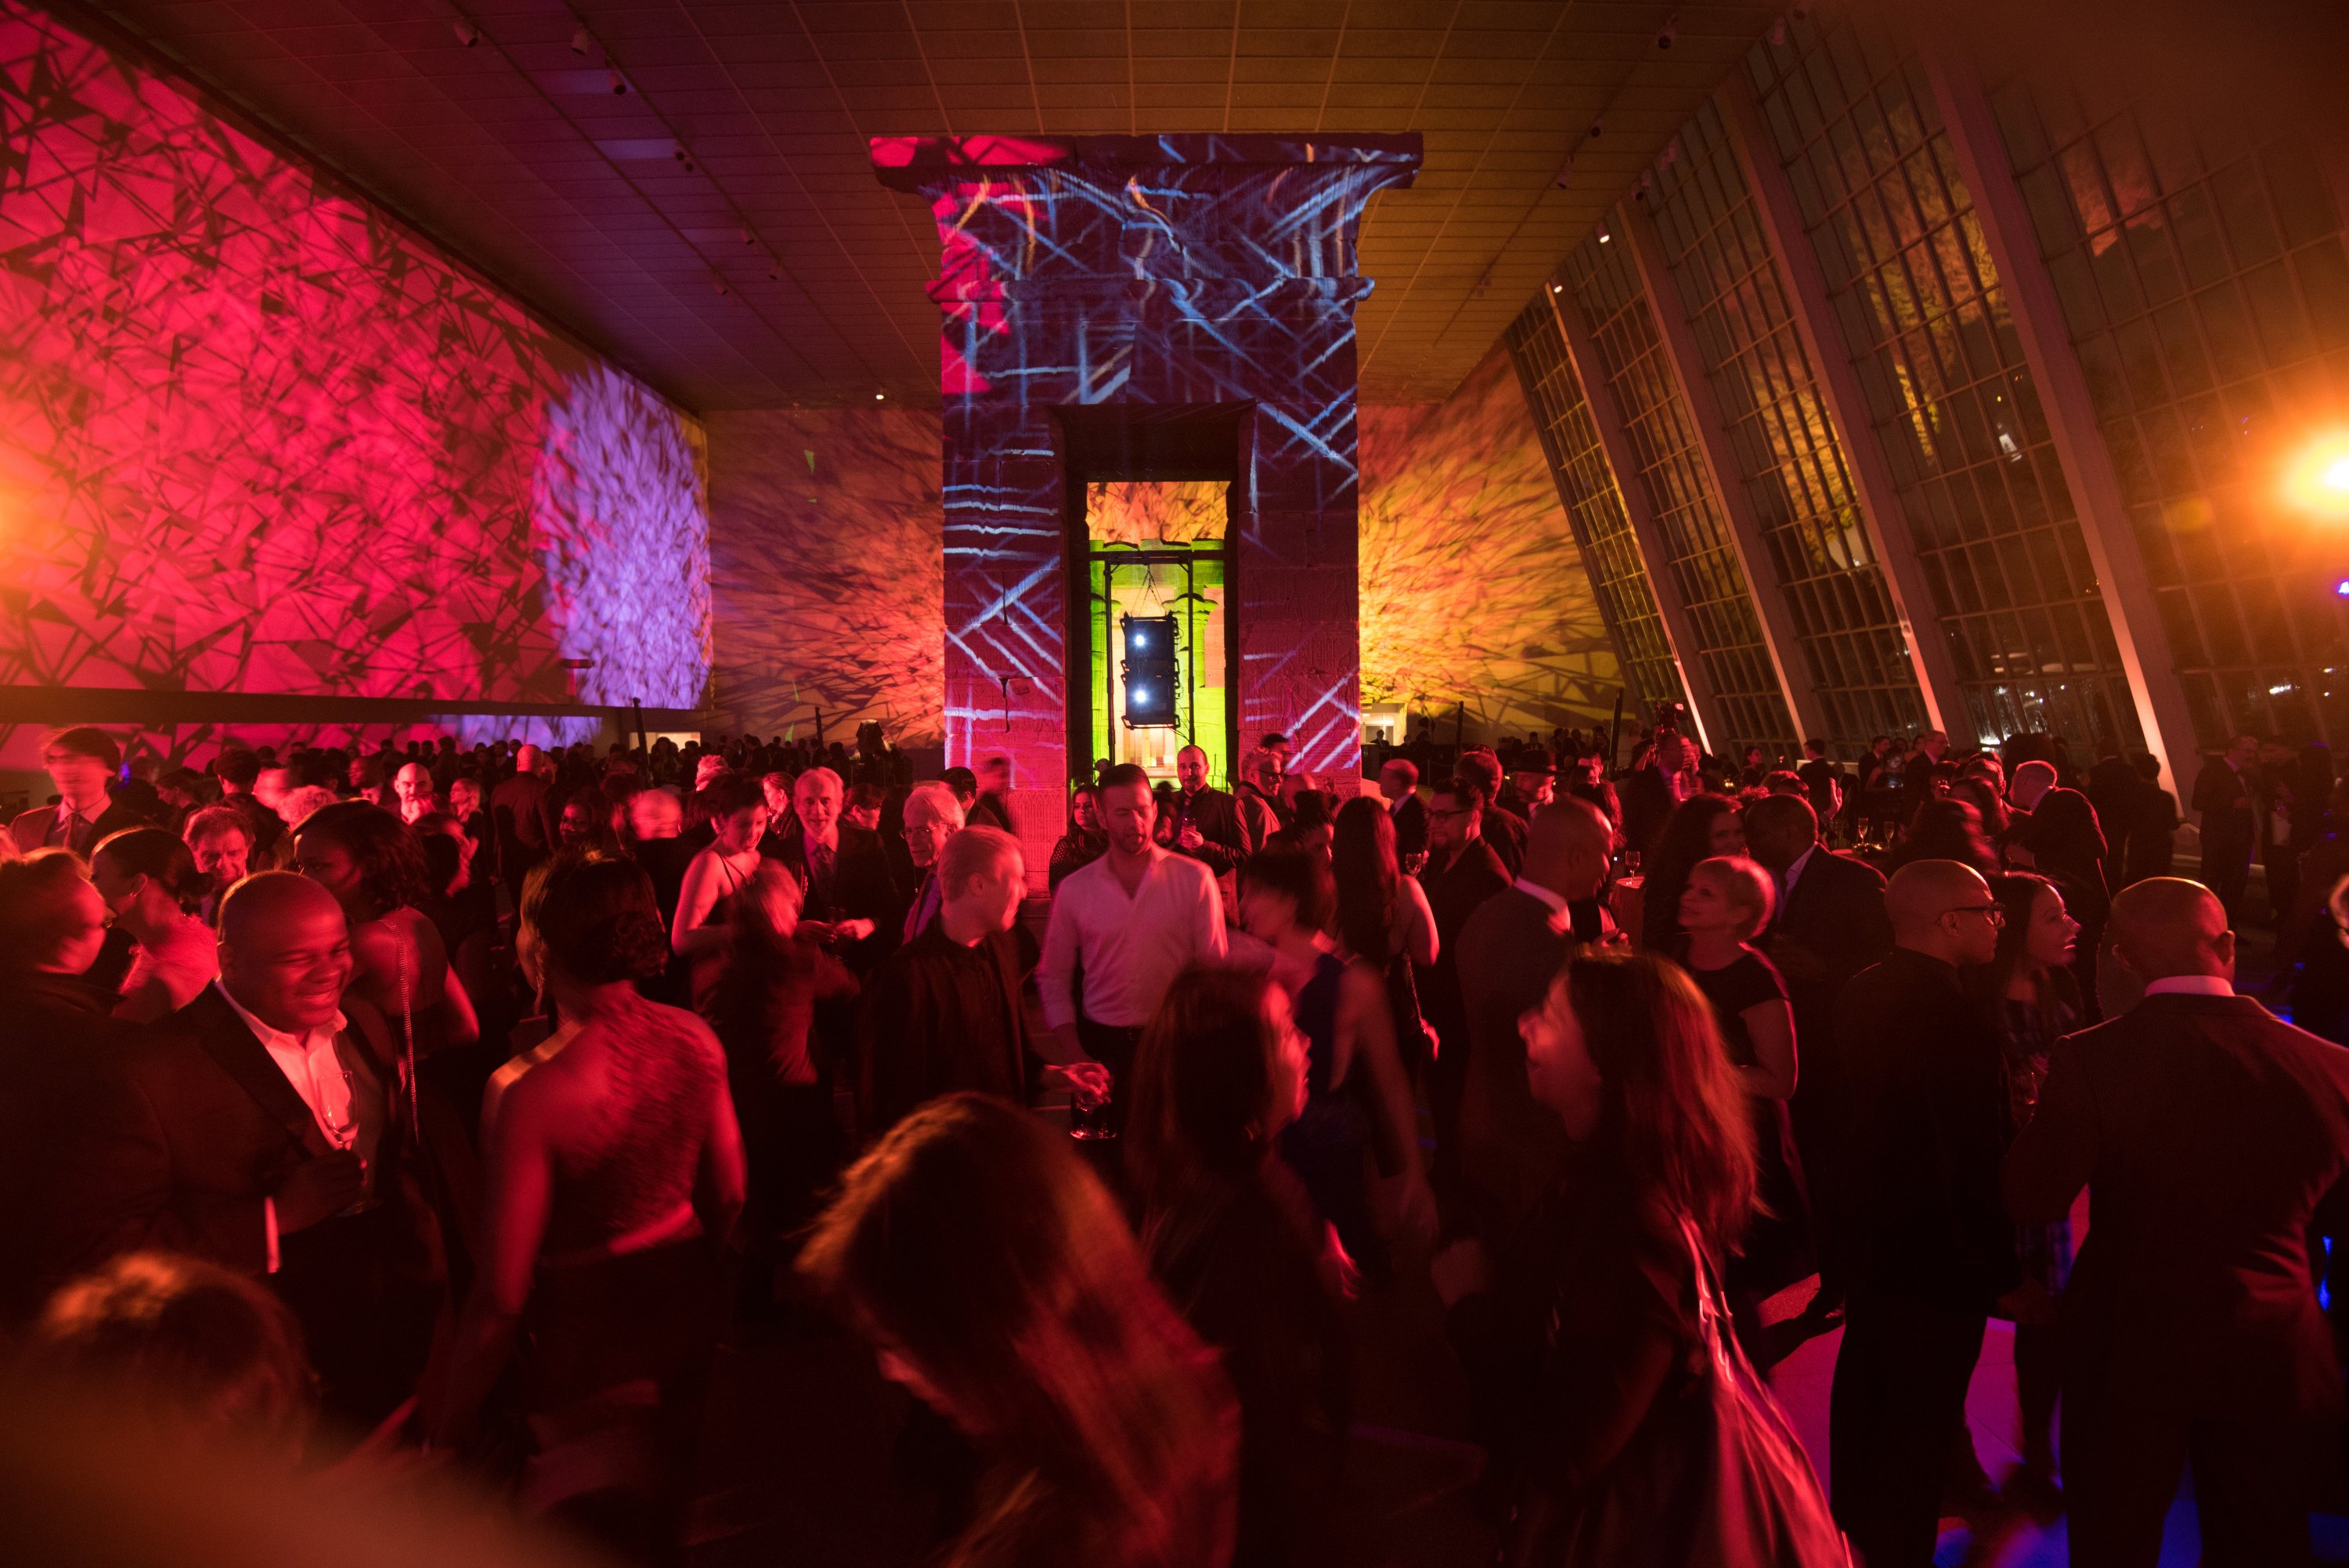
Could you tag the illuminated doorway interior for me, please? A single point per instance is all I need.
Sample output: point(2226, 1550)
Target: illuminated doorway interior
point(1157, 552)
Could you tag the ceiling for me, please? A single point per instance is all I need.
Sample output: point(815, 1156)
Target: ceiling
point(516, 154)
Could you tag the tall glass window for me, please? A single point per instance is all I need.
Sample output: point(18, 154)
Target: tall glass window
point(1949, 392)
point(1791, 464)
point(1587, 487)
point(2200, 266)
point(1603, 286)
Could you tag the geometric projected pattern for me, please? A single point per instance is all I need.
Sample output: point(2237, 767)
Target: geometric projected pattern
point(1180, 511)
point(828, 573)
point(1173, 270)
point(257, 437)
point(1473, 591)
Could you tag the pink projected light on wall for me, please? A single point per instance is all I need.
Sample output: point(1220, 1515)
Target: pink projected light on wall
point(257, 437)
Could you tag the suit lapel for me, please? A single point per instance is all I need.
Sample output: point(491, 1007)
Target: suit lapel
point(242, 1056)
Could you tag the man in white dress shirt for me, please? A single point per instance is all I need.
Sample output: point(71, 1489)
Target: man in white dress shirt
point(263, 1128)
point(1128, 923)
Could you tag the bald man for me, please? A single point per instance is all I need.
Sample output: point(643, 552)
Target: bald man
point(2215, 1139)
point(1202, 822)
point(263, 1129)
point(522, 817)
point(1928, 1251)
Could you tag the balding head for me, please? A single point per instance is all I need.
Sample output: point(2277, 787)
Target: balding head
point(2166, 926)
point(1779, 828)
point(528, 758)
point(1942, 909)
point(285, 950)
point(2031, 781)
point(1566, 845)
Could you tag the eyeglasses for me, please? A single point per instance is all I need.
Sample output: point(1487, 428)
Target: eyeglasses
point(1994, 912)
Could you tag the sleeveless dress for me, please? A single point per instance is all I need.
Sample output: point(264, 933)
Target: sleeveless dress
point(1326, 1146)
point(617, 1346)
point(707, 971)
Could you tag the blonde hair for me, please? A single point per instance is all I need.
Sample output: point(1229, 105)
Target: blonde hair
point(1746, 886)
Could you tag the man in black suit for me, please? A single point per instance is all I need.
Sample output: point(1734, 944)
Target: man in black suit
point(1829, 926)
point(80, 762)
point(1462, 872)
point(841, 871)
point(2216, 1140)
point(1929, 1251)
point(2223, 794)
point(1823, 781)
point(1504, 829)
point(266, 1128)
point(1202, 821)
point(1533, 784)
point(1509, 950)
point(57, 1041)
point(1399, 787)
point(1589, 781)
point(1262, 810)
point(1651, 793)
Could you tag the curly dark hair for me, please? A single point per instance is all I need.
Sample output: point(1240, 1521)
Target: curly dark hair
point(393, 873)
point(596, 917)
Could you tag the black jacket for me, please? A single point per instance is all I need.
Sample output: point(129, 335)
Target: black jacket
point(2215, 1138)
point(861, 888)
point(1927, 1129)
point(58, 1047)
point(1217, 817)
point(1410, 818)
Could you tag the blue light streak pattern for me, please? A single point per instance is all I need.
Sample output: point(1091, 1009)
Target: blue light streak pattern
point(1150, 271)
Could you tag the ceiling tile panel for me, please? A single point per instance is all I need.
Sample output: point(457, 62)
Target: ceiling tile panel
point(516, 154)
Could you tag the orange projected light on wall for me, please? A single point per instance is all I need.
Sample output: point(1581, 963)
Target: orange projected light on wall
point(2318, 479)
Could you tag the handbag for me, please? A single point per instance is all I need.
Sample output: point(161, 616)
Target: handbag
point(1715, 1478)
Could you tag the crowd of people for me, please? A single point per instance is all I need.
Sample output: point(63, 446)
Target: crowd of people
point(472, 1098)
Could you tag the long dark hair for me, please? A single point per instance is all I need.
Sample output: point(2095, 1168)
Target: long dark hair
point(1673, 1117)
point(2064, 837)
point(393, 873)
point(160, 857)
point(1363, 861)
point(1298, 873)
point(1201, 1085)
point(973, 1243)
point(2018, 893)
point(1685, 838)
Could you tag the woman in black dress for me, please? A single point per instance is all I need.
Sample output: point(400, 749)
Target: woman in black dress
point(1232, 1238)
point(1383, 919)
point(1729, 900)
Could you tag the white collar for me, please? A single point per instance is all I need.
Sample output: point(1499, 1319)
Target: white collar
point(1795, 867)
point(1550, 896)
point(269, 1034)
point(2190, 985)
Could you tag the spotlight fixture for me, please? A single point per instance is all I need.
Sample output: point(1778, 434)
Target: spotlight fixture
point(1604, 237)
point(684, 159)
point(619, 83)
point(467, 34)
point(1558, 288)
point(579, 39)
point(1672, 30)
point(1564, 175)
point(879, 397)
point(1597, 123)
